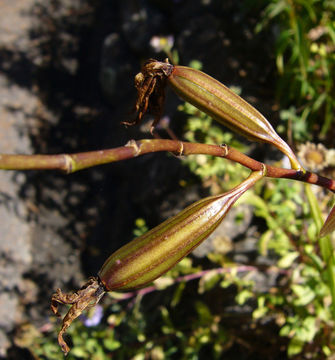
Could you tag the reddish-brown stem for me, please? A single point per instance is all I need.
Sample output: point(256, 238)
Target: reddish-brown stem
point(276, 172)
point(70, 163)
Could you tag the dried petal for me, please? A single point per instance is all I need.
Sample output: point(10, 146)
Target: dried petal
point(83, 299)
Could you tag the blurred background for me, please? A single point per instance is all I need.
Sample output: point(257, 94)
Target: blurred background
point(259, 288)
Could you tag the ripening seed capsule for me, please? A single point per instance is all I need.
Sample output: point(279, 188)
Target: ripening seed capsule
point(147, 257)
point(223, 105)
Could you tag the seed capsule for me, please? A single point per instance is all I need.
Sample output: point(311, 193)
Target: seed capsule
point(208, 95)
point(149, 256)
point(223, 105)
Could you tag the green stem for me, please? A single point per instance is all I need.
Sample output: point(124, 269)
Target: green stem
point(325, 245)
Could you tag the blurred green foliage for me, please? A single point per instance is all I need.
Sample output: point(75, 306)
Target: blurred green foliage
point(303, 306)
point(305, 59)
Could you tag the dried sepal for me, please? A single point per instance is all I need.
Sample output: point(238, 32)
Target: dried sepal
point(329, 225)
point(150, 84)
point(83, 299)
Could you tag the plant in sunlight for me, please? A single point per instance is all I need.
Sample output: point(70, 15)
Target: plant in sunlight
point(306, 303)
point(305, 60)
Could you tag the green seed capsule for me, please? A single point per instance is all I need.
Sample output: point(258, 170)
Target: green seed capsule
point(149, 256)
point(223, 105)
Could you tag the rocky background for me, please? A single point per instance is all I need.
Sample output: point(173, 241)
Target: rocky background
point(66, 83)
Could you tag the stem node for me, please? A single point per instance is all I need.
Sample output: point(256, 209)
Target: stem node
point(133, 143)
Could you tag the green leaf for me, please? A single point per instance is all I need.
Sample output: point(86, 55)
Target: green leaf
point(208, 281)
point(306, 332)
point(326, 350)
point(263, 243)
point(317, 261)
point(319, 101)
point(243, 296)
point(314, 206)
point(204, 312)
point(288, 259)
point(79, 351)
point(304, 294)
point(329, 224)
point(91, 345)
point(295, 347)
point(261, 310)
point(331, 274)
point(111, 344)
point(286, 330)
point(195, 64)
point(177, 294)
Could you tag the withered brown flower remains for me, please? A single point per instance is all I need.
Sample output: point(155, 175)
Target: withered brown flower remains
point(208, 95)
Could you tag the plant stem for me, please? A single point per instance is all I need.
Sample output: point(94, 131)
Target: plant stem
point(70, 163)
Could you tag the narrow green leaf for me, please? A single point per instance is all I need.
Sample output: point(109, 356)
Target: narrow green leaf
point(329, 224)
point(177, 294)
point(264, 241)
point(331, 274)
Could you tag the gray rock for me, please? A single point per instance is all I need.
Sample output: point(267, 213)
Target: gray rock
point(15, 240)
